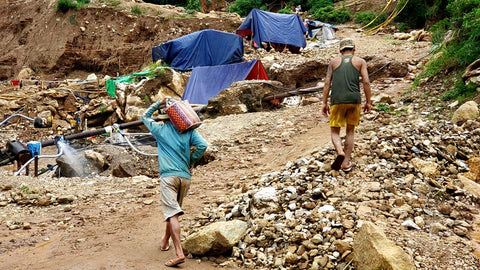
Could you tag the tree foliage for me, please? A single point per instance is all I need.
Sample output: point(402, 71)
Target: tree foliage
point(243, 7)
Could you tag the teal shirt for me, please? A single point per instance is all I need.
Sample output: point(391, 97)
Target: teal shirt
point(174, 157)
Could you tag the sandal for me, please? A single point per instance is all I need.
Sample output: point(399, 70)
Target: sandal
point(165, 249)
point(337, 163)
point(348, 169)
point(174, 262)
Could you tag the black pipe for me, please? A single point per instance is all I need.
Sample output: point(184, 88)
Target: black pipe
point(96, 132)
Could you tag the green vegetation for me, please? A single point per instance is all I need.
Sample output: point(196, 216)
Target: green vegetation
point(365, 17)
point(195, 5)
point(463, 25)
point(285, 10)
point(112, 3)
point(383, 107)
point(243, 7)
point(138, 10)
point(325, 11)
point(102, 108)
point(73, 19)
point(27, 190)
point(66, 5)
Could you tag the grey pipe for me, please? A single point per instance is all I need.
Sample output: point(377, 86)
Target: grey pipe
point(13, 115)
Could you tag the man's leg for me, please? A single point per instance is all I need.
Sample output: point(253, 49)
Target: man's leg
point(336, 140)
point(348, 145)
point(166, 237)
point(175, 234)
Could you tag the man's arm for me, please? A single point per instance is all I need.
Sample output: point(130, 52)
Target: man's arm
point(200, 146)
point(326, 91)
point(366, 87)
point(147, 115)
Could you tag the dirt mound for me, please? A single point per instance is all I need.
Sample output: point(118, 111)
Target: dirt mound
point(104, 40)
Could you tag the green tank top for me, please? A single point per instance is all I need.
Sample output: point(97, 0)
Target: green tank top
point(345, 83)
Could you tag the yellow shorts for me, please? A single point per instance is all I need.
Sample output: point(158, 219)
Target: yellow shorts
point(341, 114)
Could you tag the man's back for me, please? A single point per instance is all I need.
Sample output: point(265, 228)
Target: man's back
point(357, 62)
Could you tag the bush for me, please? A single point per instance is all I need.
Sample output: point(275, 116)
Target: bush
point(137, 10)
point(331, 15)
point(66, 5)
point(243, 7)
point(194, 5)
point(323, 10)
point(365, 17)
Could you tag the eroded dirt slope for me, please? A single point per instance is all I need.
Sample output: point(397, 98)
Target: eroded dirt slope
point(100, 38)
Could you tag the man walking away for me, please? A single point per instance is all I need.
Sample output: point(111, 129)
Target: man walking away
point(343, 80)
point(175, 164)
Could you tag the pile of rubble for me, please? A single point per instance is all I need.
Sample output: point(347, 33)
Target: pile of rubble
point(413, 176)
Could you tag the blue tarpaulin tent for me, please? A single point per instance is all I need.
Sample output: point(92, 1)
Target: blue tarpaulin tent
point(274, 27)
point(201, 48)
point(207, 82)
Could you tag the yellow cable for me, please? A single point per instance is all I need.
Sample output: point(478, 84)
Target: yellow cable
point(388, 20)
point(378, 15)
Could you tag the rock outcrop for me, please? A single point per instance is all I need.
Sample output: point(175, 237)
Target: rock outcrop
point(373, 250)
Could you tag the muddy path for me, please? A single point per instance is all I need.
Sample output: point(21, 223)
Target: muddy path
point(127, 234)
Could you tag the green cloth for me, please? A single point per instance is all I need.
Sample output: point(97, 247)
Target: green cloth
point(345, 83)
point(110, 84)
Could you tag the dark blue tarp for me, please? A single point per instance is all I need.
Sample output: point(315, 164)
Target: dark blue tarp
point(274, 27)
point(207, 82)
point(202, 48)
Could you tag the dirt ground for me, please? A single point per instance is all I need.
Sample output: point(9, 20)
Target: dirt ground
point(115, 223)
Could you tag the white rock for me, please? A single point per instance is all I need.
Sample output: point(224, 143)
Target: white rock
point(326, 208)
point(410, 224)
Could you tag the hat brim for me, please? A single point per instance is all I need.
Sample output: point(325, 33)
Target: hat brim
point(347, 47)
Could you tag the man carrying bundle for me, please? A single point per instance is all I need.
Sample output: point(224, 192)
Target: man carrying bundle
point(175, 164)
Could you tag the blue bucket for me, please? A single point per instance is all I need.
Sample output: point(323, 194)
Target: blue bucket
point(34, 147)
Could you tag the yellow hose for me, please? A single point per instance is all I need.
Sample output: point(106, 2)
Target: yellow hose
point(378, 15)
point(388, 20)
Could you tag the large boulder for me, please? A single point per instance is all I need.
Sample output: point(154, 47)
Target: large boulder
point(470, 186)
point(298, 74)
point(70, 164)
point(372, 250)
point(398, 69)
point(26, 73)
point(217, 238)
point(242, 97)
point(468, 111)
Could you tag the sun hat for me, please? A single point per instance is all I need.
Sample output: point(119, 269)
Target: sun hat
point(347, 43)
